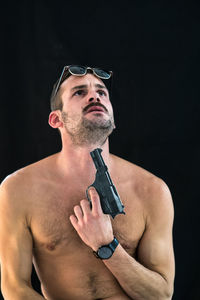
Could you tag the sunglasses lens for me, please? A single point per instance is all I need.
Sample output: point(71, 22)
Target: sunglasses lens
point(77, 70)
point(102, 74)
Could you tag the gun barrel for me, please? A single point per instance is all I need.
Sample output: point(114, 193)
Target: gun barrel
point(97, 158)
point(109, 198)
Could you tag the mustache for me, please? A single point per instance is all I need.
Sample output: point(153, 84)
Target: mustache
point(94, 104)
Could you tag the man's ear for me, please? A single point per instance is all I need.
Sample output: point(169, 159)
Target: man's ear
point(55, 119)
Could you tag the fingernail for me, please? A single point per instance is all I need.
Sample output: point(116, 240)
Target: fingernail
point(92, 189)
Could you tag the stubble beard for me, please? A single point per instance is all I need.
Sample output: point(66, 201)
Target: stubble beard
point(85, 132)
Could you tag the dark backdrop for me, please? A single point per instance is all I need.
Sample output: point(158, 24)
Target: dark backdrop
point(153, 49)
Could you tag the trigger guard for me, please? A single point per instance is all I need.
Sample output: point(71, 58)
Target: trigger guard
point(87, 195)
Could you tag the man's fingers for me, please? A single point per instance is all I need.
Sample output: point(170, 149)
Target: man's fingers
point(74, 221)
point(85, 205)
point(82, 211)
point(96, 204)
point(78, 212)
point(77, 218)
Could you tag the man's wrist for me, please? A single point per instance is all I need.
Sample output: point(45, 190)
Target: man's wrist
point(103, 244)
point(106, 251)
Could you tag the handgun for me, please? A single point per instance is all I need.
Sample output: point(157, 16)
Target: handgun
point(109, 197)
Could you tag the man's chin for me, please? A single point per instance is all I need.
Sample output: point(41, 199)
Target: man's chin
point(95, 114)
point(96, 119)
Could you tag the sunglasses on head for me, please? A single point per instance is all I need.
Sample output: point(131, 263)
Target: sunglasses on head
point(80, 71)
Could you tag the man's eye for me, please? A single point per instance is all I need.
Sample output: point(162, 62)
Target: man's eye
point(79, 93)
point(101, 93)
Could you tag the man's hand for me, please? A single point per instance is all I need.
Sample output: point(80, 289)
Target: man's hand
point(92, 225)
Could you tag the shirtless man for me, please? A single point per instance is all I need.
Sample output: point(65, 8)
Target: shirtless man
point(46, 218)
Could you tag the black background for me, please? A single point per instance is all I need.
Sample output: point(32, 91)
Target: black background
point(153, 49)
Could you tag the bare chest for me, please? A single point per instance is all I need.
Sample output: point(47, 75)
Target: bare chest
point(53, 233)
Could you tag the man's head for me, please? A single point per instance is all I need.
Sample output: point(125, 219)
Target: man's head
point(75, 70)
point(81, 106)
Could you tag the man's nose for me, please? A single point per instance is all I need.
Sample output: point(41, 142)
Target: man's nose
point(93, 97)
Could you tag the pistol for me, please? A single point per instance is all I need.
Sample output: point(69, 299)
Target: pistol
point(109, 197)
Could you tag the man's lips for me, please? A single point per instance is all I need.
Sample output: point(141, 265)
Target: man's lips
point(93, 107)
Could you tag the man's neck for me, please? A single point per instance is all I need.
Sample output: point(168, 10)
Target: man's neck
point(77, 161)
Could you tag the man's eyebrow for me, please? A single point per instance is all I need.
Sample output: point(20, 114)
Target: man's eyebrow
point(83, 86)
point(100, 86)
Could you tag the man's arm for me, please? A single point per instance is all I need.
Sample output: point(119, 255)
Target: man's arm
point(15, 246)
point(152, 276)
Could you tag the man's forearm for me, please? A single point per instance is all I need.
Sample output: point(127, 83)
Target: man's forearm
point(21, 293)
point(136, 280)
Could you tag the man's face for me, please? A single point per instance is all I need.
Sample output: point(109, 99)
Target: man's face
point(87, 112)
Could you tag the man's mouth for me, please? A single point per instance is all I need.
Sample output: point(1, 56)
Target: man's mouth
point(95, 109)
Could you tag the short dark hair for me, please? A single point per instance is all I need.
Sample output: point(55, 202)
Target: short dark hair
point(55, 100)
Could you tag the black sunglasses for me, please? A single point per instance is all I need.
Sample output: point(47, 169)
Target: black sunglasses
point(79, 71)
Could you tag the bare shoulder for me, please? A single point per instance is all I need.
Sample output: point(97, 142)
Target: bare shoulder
point(30, 172)
point(151, 190)
point(17, 187)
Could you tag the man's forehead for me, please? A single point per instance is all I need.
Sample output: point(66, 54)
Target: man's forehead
point(88, 80)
